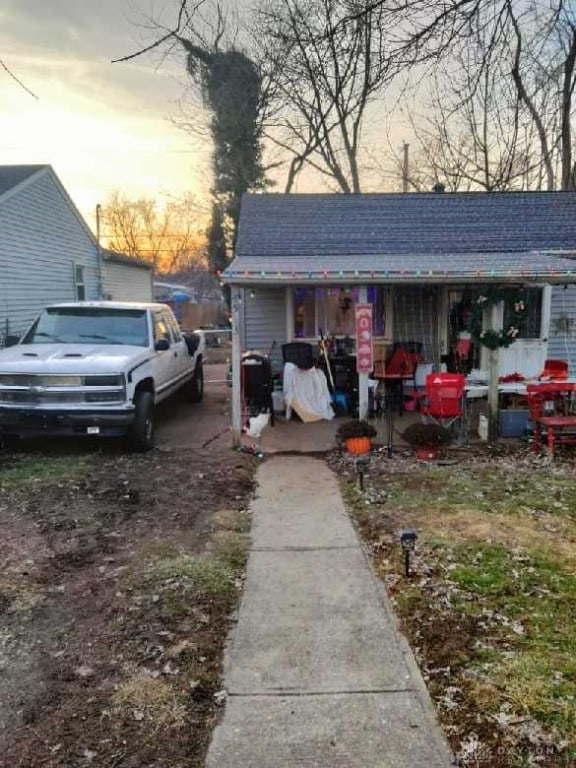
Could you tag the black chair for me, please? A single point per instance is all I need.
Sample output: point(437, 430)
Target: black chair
point(300, 353)
point(257, 384)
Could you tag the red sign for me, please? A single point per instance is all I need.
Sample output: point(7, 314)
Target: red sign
point(364, 348)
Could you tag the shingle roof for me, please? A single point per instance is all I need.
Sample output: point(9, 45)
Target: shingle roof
point(123, 258)
point(412, 233)
point(12, 175)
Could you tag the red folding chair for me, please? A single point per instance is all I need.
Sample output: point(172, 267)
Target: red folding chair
point(400, 369)
point(444, 398)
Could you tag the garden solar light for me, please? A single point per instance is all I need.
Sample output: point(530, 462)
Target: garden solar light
point(408, 542)
point(362, 465)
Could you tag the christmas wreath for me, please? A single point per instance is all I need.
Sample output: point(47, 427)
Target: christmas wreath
point(516, 315)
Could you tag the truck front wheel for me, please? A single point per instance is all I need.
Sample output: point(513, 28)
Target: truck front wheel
point(141, 436)
point(196, 384)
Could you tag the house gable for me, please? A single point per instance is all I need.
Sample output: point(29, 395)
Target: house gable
point(43, 239)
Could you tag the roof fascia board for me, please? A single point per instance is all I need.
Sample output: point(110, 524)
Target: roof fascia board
point(47, 170)
point(72, 205)
point(127, 262)
point(407, 280)
point(24, 183)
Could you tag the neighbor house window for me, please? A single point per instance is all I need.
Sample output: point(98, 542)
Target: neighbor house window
point(331, 311)
point(79, 282)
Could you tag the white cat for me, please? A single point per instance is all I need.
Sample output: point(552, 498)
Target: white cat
point(256, 424)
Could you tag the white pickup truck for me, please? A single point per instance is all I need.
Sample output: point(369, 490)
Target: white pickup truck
point(97, 368)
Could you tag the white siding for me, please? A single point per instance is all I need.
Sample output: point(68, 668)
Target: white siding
point(264, 318)
point(562, 334)
point(123, 282)
point(41, 239)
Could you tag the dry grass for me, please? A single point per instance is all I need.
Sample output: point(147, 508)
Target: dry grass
point(543, 532)
point(493, 572)
point(153, 700)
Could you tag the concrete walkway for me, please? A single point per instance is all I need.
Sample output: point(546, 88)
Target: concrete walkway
point(316, 672)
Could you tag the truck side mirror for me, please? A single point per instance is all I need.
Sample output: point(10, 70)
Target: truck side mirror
point(162, 345)
point(192, 342)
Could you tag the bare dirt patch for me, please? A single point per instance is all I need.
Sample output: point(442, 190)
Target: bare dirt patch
point(118, 577)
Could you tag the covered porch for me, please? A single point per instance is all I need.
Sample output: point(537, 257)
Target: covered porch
point(441, 272)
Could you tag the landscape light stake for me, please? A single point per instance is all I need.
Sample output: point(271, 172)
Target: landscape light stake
point(362, 465)
point(408, 542)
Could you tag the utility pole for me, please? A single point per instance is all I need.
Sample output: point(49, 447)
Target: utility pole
point(99, 252)
point(405, 168)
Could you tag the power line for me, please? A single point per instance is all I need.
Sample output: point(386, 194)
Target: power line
point(20, 83)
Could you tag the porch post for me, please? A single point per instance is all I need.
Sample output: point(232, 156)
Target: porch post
point(362, 377)
point(236, 299)
point(491, 318)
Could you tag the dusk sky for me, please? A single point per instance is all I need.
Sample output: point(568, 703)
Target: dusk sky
point(100, 125)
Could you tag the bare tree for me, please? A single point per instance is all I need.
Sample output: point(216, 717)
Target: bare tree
point(535, 41)
point(324, 74)
point(167, 236)
point(475, 133)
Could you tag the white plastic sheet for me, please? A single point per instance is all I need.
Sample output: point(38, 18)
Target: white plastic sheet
point(306, 392)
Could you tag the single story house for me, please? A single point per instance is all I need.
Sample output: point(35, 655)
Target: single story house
point(49, 254)
point(421, 260)
point(126, 278)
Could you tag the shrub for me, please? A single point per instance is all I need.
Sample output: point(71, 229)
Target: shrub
point(355, 428)
point(427, 435)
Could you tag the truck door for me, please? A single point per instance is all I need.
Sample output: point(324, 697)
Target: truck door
point(165, 371)
point(183, 361)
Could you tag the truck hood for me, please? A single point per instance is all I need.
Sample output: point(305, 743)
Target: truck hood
point(71, 358)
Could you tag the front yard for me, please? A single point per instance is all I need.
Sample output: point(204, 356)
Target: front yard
point(119, 573)
point(490, 606)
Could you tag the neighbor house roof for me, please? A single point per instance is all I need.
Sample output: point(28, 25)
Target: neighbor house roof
point(122, 258)
point(12, 175)
point(389, 237)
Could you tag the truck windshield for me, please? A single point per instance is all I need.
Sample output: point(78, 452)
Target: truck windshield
point(89, 325)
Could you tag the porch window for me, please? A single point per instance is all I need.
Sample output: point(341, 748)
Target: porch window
point(533, 325)
point(332, 310)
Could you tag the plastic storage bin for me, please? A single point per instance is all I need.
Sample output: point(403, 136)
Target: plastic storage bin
point(513, 423)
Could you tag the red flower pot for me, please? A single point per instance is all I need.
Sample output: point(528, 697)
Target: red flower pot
point(427, 452)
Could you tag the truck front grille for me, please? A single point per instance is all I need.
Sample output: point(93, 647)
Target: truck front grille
point(40, 389)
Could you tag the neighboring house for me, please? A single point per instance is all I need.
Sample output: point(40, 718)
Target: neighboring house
point(126, 278)
point(302, 261)
point(49, 254)
point(191, 310)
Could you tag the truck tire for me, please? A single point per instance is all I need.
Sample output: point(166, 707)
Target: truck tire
point(196, 384)
point(10, 442)
point(141, 436)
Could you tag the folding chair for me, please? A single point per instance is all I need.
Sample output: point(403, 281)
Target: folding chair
point(300, 353)
point(400, 368)
point(444, 398)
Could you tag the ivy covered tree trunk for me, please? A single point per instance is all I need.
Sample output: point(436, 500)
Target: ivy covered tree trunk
point(217, 251)
point(231, 87)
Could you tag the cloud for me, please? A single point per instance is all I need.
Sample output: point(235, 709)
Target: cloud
point(101, 125)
